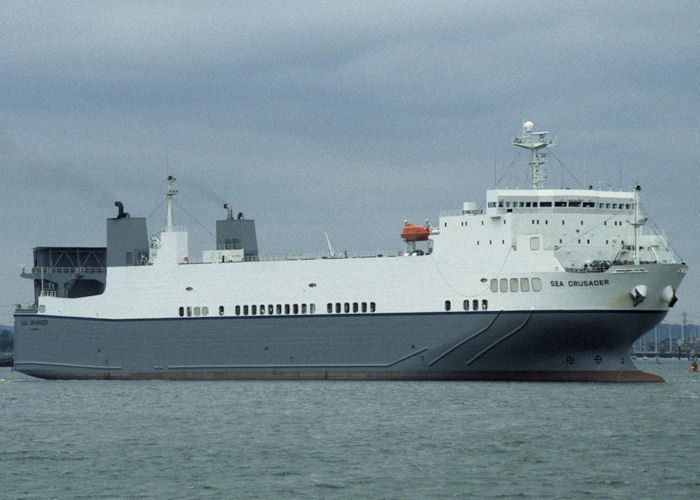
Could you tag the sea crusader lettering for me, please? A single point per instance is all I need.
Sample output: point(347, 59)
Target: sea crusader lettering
point(584, 283)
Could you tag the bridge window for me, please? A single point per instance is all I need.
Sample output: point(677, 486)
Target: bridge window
point(494, 285)
point(514, 284)
point(525, 284)
point(504, 285)
point(536, 285)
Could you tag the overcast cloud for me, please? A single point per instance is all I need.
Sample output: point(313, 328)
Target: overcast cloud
point(337, 117)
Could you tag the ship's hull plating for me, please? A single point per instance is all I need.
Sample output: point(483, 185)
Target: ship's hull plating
point(514, 345)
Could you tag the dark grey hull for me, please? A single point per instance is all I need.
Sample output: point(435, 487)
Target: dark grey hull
point(521, 345)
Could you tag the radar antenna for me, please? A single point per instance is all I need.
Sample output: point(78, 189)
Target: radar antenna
point(534, 141)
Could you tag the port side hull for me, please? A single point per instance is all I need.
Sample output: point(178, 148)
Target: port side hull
point(518, 345)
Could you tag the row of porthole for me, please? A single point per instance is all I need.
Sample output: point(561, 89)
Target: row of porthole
point(466, 304)
point(252, 310)
point(346, 307)
point(279, 309)
point(515, 285)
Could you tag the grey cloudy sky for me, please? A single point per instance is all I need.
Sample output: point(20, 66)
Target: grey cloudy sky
point(337, 117)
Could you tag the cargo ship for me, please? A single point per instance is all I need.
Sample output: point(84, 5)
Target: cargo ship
point(534, 284)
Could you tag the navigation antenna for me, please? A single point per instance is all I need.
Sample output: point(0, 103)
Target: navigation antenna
point(534, 141)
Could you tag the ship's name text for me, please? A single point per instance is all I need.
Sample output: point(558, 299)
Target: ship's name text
point(575, 283)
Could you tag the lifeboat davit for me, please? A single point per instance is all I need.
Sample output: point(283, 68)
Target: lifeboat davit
point(415, 233)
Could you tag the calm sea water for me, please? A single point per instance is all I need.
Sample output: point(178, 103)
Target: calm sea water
point(96, 439)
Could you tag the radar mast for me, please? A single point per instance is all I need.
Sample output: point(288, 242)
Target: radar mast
point(169, 193)
point(534, 141)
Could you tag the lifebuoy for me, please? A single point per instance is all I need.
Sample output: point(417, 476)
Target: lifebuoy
point(556, 247)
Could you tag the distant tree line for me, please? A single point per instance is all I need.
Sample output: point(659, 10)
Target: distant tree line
point(7, 341)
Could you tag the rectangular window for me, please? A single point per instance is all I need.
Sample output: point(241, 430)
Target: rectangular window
point(221, 310)
point(245, 310)
point(329, 308)
point(337, 307)
point(253, 310)
point(355, 307)
point(525, 284)
point(574, 203)
point(296, 308)
point(448, 306)
point(534, 243)
point(559, 203)
point(197, 310)
point(364, 307)
point(475, 305)
point(278, 308)
point(504, 284)
point(514, 284)
point(304, 308)
point(312, 308)
point(494, 285)
point(270, 309)
point(465, 305)
point(262, 309)
point(536, 285)
point(372, 307)
point(347, 307)
point(181, 311)
point(286, 309)
point(546, 204)
point(484, 305)
point(189, 310)
point(205, 311)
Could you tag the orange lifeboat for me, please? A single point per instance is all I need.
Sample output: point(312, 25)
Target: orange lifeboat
point(415, 233)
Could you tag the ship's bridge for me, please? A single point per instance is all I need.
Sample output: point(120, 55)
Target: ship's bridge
point(499, 201)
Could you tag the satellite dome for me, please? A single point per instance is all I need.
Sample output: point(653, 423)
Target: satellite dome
point(528, 126)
